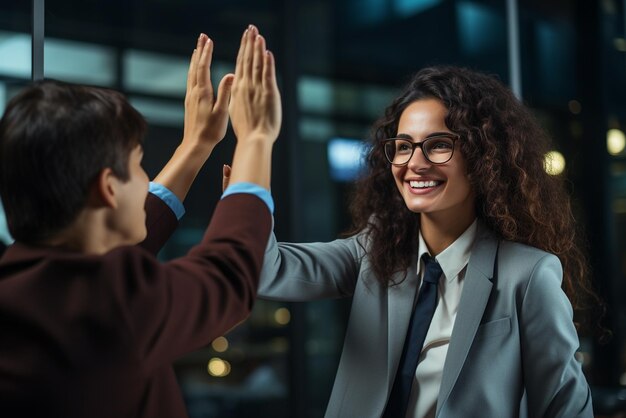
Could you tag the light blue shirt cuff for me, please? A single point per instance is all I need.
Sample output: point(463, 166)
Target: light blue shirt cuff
point(169, 198)
point(251, 188)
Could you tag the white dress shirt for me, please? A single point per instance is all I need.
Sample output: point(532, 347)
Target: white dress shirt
point(453, 261)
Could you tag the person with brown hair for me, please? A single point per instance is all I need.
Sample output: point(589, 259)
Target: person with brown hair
point(463, 264)
point(91, 322)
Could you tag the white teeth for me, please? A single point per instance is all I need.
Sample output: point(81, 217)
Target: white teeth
point(423, 184)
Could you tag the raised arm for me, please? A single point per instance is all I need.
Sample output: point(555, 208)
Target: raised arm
point(193, 299)
point(206, 120)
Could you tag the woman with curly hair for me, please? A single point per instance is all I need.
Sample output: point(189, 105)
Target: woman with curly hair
point(463, 264)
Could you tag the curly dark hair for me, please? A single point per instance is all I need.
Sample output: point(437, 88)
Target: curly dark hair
point(504, 148)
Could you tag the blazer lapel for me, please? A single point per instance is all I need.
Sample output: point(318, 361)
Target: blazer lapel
point(400, 300)
point(476, 291)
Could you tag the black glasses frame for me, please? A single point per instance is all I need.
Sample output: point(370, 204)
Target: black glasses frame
point(420, 145)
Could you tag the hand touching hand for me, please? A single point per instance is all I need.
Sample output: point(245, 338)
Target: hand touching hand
point(206, 119)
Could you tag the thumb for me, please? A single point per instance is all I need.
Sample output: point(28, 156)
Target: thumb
point(225, 176)
point(223, 92)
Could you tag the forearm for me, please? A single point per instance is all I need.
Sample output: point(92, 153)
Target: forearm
point(252, 162)
point(181, 170)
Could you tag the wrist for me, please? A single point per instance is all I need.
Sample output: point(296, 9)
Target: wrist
point(256, 138)
point(195, 147)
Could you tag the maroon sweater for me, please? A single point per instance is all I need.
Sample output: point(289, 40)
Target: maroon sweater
point(94, 336)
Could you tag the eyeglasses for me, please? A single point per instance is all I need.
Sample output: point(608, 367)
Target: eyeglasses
point(437, 149)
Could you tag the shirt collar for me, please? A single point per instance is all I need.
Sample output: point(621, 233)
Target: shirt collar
point(454, 258)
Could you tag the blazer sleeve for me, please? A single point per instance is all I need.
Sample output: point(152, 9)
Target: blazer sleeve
point(182, 305)
point(161, 223)
point(555, 384)
point(310, 271)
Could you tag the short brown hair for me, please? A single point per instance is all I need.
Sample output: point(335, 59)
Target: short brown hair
point(55, 138)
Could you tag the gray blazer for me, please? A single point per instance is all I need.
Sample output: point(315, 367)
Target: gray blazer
point(511, 352)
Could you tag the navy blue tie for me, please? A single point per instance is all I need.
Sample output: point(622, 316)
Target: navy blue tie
point(418, 327)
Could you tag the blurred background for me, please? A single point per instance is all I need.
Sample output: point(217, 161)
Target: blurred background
point(340, 62)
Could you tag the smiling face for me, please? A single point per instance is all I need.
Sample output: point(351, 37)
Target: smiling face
point(440, 192)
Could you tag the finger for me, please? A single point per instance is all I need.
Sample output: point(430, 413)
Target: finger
point(204, 66)
point(257, 62)
point(269, 71)
point(193, 65)
point(225, 176)
point(242, 48)
point(249, 51)
point(223, 93)
point(190, 73)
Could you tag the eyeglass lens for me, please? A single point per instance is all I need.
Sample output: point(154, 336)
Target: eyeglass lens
point(437, 150)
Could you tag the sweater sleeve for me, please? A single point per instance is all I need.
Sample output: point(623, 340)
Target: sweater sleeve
point(182, 305)
point(556, 386)
point(161, 223)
